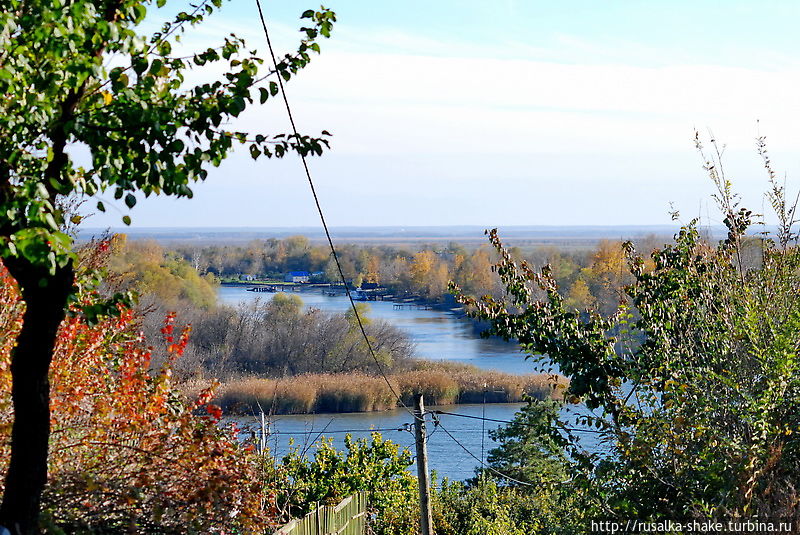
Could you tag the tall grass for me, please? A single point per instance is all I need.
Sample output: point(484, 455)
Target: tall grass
point(358, 392)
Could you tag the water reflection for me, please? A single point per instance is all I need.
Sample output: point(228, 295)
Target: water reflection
point(437, 335)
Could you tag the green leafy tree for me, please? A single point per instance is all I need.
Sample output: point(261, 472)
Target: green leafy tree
point(530, 449)
point(535, 497)
point(377, 466)
point(79, 74)
point(695, 377)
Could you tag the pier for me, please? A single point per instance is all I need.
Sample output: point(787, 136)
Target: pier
point(261, 289)
point(412, 306)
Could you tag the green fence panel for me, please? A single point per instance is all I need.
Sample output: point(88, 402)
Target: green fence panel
point(349, 517)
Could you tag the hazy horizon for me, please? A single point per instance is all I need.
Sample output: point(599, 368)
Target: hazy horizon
point(528, 235)
point(517, 113)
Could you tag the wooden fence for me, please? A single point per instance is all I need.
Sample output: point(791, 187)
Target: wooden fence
point(347, 518)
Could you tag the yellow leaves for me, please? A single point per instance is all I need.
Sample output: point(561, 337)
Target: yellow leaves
point(373, 268)
point(429, 273)
point(580, 297)
point(107, 97)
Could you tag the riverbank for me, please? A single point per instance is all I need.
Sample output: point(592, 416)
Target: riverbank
point(440, 383)
point(436, 335)
point(446, 303)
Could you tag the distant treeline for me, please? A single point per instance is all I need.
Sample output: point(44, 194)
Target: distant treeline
point(588, 278)
point(287, 358)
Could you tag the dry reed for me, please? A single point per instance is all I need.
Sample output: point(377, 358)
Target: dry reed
point(441, 384)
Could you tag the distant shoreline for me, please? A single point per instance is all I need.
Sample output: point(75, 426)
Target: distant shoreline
point(513, 234)
point(303, 287)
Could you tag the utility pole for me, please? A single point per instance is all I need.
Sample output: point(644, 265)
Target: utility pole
point(425, 518)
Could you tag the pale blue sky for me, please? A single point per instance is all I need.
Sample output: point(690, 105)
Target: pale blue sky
point(510, 113)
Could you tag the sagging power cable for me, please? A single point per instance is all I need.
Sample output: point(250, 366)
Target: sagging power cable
point(322, 219)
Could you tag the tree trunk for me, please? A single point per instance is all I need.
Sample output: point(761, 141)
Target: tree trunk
point(45, 297)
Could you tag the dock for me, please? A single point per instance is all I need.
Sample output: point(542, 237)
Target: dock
point(412, 306)
point(261, 289)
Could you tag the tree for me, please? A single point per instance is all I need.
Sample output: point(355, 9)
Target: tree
point(695, 375)
point(119, 419)
point(477, 272)
point(429, 274)
point(375, 465)
point(146, 131)
point(147, 269)
point(607, 275)
point(580, 296)
point(529, 448)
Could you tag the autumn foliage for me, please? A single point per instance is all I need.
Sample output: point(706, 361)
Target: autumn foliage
point(127, 453)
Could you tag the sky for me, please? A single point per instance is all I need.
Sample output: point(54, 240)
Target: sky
point(508, 113)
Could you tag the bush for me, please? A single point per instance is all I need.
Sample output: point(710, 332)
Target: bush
point(376, 465)
point(126, 452)
point(490, 508)
point(696, 374)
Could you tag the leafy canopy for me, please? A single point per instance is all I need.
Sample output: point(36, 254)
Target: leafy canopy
point(79, 77)
point(695, 377)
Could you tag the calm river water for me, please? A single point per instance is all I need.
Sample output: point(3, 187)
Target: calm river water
point(437, 336)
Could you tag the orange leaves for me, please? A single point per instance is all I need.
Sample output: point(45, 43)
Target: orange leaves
point(175, 349)
point(125, 448)
point(169, 327)
point(206, 395)
point(214, 411)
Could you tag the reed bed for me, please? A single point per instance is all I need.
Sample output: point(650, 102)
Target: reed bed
point(359, 392)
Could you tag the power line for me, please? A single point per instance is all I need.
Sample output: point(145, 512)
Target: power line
point(518, 423)
point(322, 217)
point(483, 464)
point(380, 430)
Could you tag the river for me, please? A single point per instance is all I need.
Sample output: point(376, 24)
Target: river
point(436, 335)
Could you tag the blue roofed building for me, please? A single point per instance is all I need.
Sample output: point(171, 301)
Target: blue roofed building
point(296, 276)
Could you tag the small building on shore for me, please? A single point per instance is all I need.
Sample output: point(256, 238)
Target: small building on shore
point(297, 276)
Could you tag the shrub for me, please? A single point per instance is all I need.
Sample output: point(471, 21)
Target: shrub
point(696, 373)
point(376, 465)
point(126, 452)
point(488, 507)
